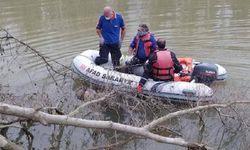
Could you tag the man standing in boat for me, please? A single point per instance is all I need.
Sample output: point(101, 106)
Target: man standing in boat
point(141, 47)
point(111, 31)
point(161, 66)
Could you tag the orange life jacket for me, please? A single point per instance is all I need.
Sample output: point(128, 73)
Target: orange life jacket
point(147, 44)
point(188, 63)
point(163, 68)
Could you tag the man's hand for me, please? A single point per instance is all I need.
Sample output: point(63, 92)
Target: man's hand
point(101, 40)
point(139, 88)
point(120, 44)
point(123, 32)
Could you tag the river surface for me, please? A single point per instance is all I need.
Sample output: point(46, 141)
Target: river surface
point(214, 31)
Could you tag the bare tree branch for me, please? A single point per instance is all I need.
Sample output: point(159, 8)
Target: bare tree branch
point(45, 118)
point(10, 39)
point(10, 126)
point(187, 111)
point(8, 145)
point(13, 121)
point(78, 109)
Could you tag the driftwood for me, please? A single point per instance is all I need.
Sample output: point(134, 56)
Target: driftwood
point(8, 145)
point(46, 118)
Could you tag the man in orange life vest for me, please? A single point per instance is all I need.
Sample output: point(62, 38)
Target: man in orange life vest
point(161, 66)
point(142, 46)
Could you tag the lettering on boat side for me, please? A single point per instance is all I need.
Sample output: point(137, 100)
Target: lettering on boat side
point(117, 79)
point(109, 77)
point(94, 72)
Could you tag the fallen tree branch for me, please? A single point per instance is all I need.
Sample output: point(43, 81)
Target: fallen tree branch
point(45, 118)
point(5, 144)
point(78, 109)
point(13, 121)
point(10, 126)
point(187, 111)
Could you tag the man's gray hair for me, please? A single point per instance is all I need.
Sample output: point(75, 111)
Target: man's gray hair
point(144, 26)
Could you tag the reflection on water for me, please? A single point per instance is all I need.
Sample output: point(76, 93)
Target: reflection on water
point(208, 30)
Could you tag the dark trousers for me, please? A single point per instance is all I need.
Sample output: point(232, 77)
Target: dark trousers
point(105, 49)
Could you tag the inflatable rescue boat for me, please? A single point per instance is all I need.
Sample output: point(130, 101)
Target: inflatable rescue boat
point(191, 85)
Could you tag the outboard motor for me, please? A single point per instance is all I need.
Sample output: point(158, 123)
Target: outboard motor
point(205, 73)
